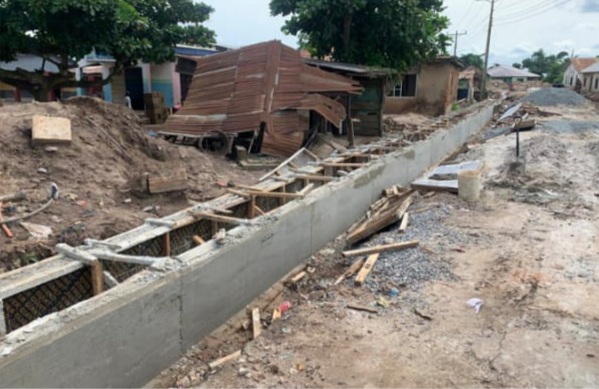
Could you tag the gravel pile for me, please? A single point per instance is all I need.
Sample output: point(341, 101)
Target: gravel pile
point(569, 126)
point(413, 267)
point(555, 96)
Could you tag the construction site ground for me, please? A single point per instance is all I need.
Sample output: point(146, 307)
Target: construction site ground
point(99, 176)
point(528, 249)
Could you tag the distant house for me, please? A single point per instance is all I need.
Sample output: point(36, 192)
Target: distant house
point(590, 78)
point(432, 87)
point(573, 73)
point(510, 74)
point(469, 84)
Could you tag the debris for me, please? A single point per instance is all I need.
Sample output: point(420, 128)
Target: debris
point(51, 149)
point(256, 325)
point(6, 351)
point(366, 269)
point(362, 308)
point(220, 235)
point(555, 96)
point(50, 130)
point(350, 271)
point(37, 231)
point(326, 252)
point(127, 201)
point(393, 292)
point(244, 372)
point(381, 248)
point(475, 303)
point(42, 170)
point(383, 302)
point(285, 306)
point(300, 159)
point(5, 228)
point(422, 315)
point(276, 314)
point(445, 178)
point(198, 240)
point(214, 364)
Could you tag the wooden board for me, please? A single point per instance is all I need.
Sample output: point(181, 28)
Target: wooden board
point(350, 271)
point(380, 249)
point(214, 364)
point(175, 181)
point(46, 130)
point(405, 220)
point(366, 269)
point(256, 325)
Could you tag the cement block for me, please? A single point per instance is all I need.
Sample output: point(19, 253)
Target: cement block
point(47, 130)
point(395, 173)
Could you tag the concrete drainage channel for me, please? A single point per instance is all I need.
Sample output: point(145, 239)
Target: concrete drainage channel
point(67, 327)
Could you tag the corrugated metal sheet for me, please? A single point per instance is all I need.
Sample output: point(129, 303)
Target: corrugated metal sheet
point(268, 82)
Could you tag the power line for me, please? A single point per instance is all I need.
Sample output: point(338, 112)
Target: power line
point(526, 10)
point(455, 42)
point(466, 14)
point(534, 14)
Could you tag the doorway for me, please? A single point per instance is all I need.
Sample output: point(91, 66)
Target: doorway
point(134, 84)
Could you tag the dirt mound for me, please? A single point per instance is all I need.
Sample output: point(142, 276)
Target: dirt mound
point(555, 96)
point(99, 174)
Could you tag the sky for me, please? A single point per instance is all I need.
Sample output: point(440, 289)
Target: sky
point(520, 28)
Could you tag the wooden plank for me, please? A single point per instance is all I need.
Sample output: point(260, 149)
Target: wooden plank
point(97, 277)
point(214, 364)
point(220, 219)
point(175, 181)
point(256, 325)
point(307, 189)
point(259, 210)
point(342, 165)
point(276, 314)
point(404, 223)
point(2, 321)
point(357, 265)
point(198, 240)
point(362, 308)
point(166, 243)
point(274, 194)
point(314, 178)
point(75, 253)
point(380, 249)
point(366, 269)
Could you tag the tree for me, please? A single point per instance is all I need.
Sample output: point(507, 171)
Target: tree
point(474, 60)
point(549, 67)
point(517, 65)
point(62, 32)
point(384, 33)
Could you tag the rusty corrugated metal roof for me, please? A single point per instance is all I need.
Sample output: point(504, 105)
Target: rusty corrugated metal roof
point(236, 91)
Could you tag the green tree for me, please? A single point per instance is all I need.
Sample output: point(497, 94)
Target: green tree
point(550, 67)
point(62, 32)
point(475, 60)
point(517, 65)
point(385, 33)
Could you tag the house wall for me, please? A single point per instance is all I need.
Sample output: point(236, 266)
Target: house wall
point(570, 77)
point(163, 81)
point(592, 82)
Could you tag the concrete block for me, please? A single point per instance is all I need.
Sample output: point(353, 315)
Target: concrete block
point(395, 173)
point(50, 130)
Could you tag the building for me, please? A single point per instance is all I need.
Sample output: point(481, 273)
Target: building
point(590, 78)
point(432, 88)
point(469, 84)
point(510, 74)
point(573, 73)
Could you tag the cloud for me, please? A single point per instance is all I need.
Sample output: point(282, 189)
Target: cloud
point(586, 26)
point(590, 6)
point(565, 44)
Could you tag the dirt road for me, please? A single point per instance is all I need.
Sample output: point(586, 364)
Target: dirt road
point(529, 249)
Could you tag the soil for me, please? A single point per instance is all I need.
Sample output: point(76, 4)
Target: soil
point(99, 175)
point(534, 264)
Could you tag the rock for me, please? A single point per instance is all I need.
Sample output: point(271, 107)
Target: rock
point(127, 201)
point(389, 240)
point(184, 382)
point(326, 252)
point(42, 171)
point(51, 149)
point(244, 372)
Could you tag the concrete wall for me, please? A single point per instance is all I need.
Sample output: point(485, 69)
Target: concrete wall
point(162, 81)
point(129, 334)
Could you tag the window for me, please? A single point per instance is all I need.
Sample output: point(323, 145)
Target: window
point(571, 80)
point(406, 88)
point(585, 82)
point(597, 82)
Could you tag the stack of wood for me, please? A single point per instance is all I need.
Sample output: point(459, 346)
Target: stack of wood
point(391, 208)
point(156, 110)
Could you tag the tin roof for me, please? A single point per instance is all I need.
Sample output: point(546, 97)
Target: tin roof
point(499, 71)
point(581, 64)
point(592, 69)
point(236, 91)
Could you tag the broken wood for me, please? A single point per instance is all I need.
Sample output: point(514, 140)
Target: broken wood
point(404, 223)
point(214, 364)
point(259, 210)
point(298, 277)
point(175, 181)
point(256, 325)
point(380, 249)
point(198, 240)
point(109, 279)
point(366, 269)
point(276, 314)
point(362, 308)
point(350, 271)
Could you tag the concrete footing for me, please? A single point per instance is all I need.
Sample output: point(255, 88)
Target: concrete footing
point(129, 334)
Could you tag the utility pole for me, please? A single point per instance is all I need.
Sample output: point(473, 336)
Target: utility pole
point(455, 41)
point(483, 87)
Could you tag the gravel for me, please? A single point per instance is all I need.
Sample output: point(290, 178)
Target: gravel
point(555, 96)
point(569, 126)
point(413, 267)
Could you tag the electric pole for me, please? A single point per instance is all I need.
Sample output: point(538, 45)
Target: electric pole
point(455, 41)
point(483, 87)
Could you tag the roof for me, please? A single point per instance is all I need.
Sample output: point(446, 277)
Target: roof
point(352, 69)
point(236, 91)
point(581, 64)
point(499, 71)
point(455, 61)
point(592, 69)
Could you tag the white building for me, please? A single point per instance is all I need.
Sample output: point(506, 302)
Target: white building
point(590, 78)
point(573, 73)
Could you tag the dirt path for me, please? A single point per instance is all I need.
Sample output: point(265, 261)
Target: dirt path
point(529, 249)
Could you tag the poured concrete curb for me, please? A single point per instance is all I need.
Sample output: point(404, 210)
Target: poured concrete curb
point(128, 335)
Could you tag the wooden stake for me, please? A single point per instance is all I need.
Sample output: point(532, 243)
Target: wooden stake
point(404, 223)
point(97, 277)
point(298, 277)
point(380, 249)
point(259, 210)
point(213, 365)
point(256, 326)
point(252, 207)
point(350, 271)
point(219, 218)
point(276, 314)
point(167, 244)
point(198, 240)
point(306, 189)
point(366, 269)
point(362, 308)
point(109, 279)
